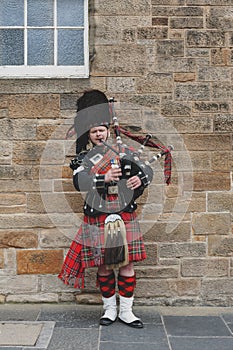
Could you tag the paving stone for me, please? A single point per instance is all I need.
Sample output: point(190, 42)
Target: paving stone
point(9, 312)
point(148, 314)
point(74, 338)
point(19, 334)
point(196, 326)
point(192, 343)
point(133, 346)
point(72, 316)
point(121, 333)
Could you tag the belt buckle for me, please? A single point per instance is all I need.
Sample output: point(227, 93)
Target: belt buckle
point(113, 189)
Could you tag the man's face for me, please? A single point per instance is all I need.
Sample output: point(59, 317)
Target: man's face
point(98, 134)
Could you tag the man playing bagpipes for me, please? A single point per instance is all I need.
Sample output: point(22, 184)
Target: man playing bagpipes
point(110, 236)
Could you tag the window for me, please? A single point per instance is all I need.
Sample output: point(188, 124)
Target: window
point(44, 38)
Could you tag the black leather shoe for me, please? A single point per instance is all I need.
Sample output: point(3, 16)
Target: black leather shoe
point(134, 324)
point(105, 321)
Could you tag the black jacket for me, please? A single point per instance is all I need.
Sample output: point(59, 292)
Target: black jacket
point(97, 189)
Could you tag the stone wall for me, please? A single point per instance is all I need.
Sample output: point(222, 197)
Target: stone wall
point(169, 64)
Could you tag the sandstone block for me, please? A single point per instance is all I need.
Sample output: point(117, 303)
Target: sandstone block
point(27, 152)
point(207, 142)
point(207, 181)
point(54, 202)
point(207, 38)
point(34, 106)
point(45, 132)
point(176, 109)
point(23, 129)
point(119, 60)
point(214, 287)
point(220, 245)
point(24, 221)
point(158, 232)
point(211, 224)
point(115, 30)
point(54, 238)
point(195, 125)
point(39, 261)
point(12, 199)
point(221, 161)
point(121, 85)
point(175, 64)
point(52, 172)
point(157, 272)
point(89, 298)
point(177, 11)
point(221, 56)
point(152, 33)
point(52, 284)
point(148, 100)
point(186, 22)
point(170, 48)
point(18, 239)
point(186, 287)
point(131, 8)
point(188, 204)
point(223, 122)
point(17, 284)
point(222, 91)
point(151, 253)
point(18, 172)
point(220, 201)
point(179, 250)
point(198, 52)
point(184, 77)
point(32, 298)
point(209, 107)
point(197, 91)
point(154, 288)
point(159, 21)
point(155, 82)
point(218, 19)
point(24, 185)
point(214, 74)
point(204, 267)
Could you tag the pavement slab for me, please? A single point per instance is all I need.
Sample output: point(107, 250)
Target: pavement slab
point(19, 334)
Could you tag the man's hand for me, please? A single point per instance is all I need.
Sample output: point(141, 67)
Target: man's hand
point(113, 174)
point(134, 182)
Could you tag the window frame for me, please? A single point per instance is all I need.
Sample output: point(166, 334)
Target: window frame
point(49, 71)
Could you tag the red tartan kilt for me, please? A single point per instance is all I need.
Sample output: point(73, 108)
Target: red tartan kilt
point(133, 235)
point(81, 253)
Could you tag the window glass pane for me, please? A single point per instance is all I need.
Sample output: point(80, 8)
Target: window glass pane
point(11, 47)
point(11, 12)
point(40, 47)
point(70, 13)
point(40, 13)
point(70, 47)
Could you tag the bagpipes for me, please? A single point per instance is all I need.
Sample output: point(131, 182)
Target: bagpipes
point(144, 141)
point(130, 164)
